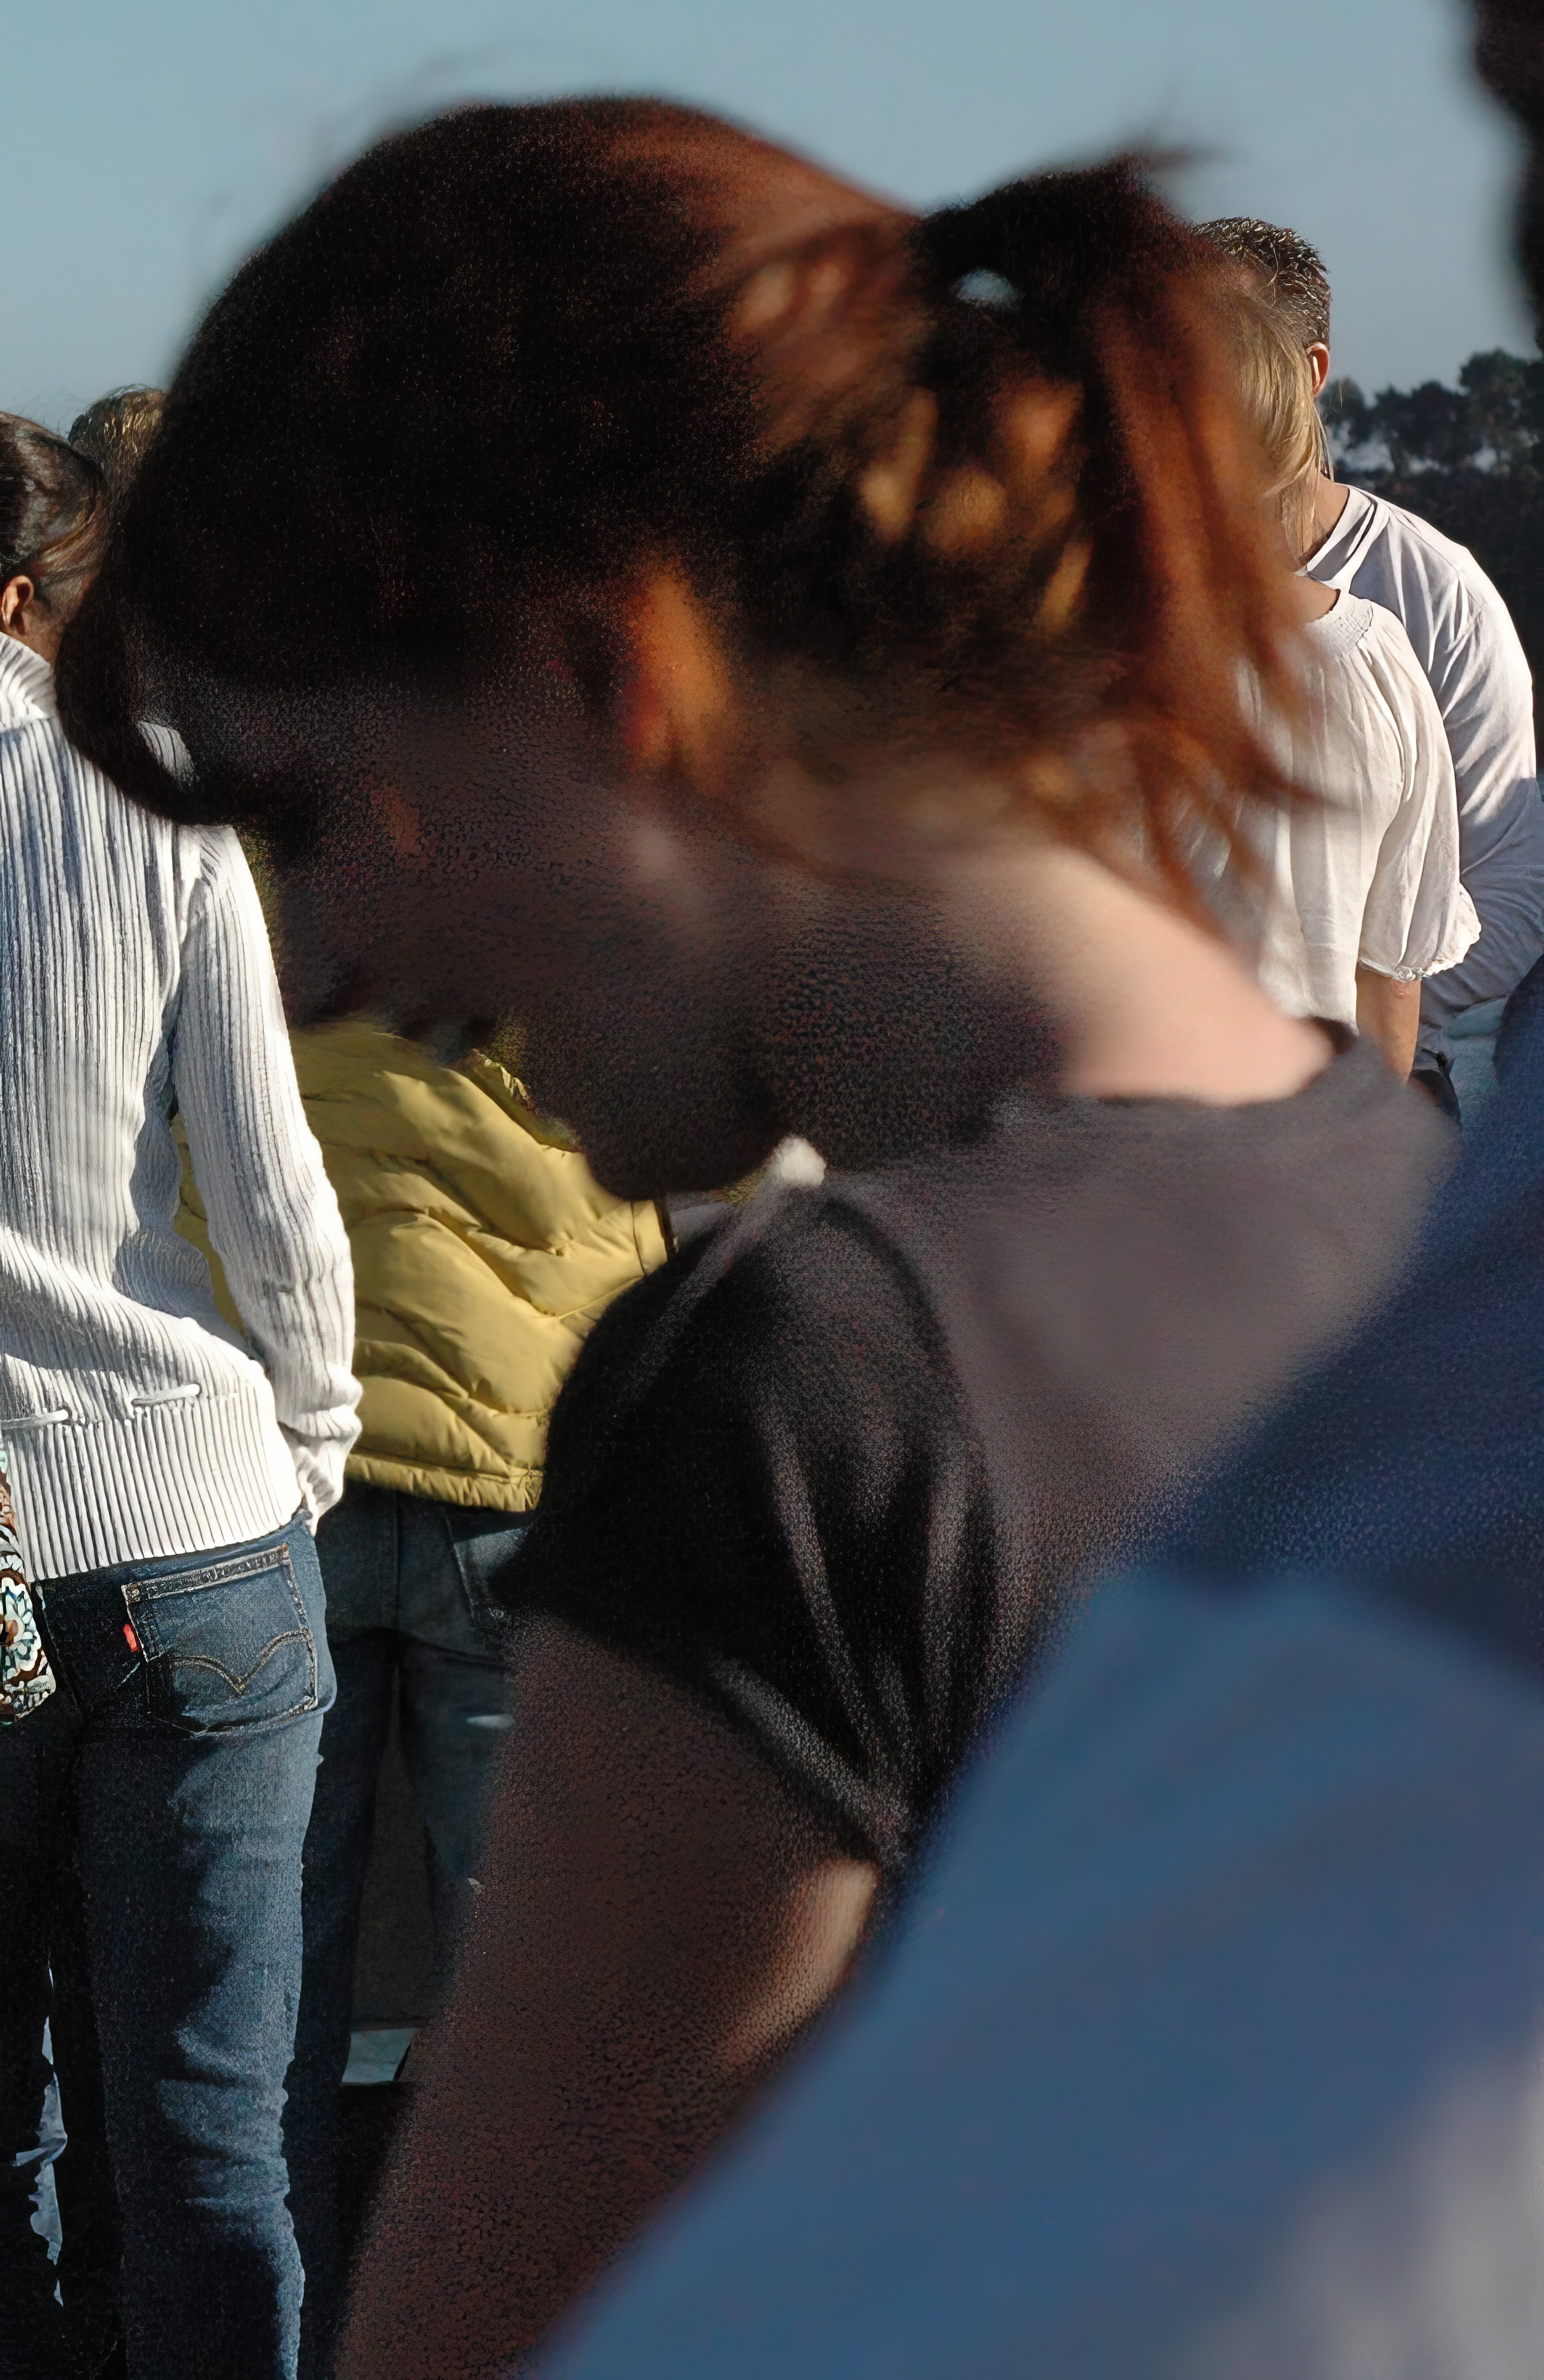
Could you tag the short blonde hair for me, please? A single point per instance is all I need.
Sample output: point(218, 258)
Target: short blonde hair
point(1287, 269)
point(1275, 380)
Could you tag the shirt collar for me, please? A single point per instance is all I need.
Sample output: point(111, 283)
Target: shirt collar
point(1334, 550)
point(26, 683)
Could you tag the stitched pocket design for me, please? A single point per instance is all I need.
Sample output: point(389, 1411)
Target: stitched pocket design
point(228, 1643)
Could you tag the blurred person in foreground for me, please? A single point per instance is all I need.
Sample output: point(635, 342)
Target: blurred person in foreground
point(1464, 638)
point(788, 684)
point(1209, 2044)
point(483, 1252)
point(1347, 898)
point(168, 1473)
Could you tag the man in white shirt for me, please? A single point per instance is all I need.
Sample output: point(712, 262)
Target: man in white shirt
point(1465, 642)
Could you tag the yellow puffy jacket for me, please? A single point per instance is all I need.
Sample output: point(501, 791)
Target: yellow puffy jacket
point(483, 1250)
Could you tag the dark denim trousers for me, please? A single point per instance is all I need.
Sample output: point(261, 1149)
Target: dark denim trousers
point(182, 1748)
point(407, 1618)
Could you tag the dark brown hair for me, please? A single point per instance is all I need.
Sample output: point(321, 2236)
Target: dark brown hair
point(1289, 270)
point(976, 481)
point(50, 509)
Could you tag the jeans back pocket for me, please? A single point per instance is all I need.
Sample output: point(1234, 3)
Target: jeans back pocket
point(228, 1643)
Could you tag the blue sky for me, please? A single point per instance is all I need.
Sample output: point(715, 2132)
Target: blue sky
point(149, 143)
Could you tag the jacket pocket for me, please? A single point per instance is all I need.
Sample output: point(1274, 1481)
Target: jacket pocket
point(227, 1644)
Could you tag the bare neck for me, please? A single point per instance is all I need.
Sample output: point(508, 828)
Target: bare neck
point(1146, 1003)
point(1012, 959)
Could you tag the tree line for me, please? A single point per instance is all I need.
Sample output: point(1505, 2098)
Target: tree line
point(1468, 459)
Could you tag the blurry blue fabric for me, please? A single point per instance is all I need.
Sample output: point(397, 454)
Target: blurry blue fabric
point(1412, 1465)
point(1211, 2041)
point(1229, 1968)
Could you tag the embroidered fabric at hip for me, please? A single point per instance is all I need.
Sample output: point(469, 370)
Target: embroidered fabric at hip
point(25, 1676)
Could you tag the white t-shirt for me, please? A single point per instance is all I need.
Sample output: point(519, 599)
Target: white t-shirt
point(1465, 643)
point(1368, 874)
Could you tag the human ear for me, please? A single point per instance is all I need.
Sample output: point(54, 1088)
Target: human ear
point(1318, 355)
point(16, 598)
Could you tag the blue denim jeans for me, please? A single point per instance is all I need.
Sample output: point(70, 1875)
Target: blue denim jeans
point(184, 1727)
point(408, 1620)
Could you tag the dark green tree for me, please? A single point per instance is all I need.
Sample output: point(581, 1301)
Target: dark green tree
point(1507, 395)
point(1430, 426)
point(1348, 417)
point(1469, 460)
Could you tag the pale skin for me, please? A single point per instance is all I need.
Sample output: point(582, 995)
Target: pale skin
point(659, 1916)
point(1389, 1014)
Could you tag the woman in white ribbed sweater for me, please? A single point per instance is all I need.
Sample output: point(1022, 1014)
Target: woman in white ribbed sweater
point(167, 1478)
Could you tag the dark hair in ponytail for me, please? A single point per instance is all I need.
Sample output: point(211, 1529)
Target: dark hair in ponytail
point(50, 509)
point(504, 361)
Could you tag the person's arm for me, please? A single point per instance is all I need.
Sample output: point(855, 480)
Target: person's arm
point(1485, 691)
point(1503, 875)
point(752, 1678)
point(1417, 917)
point(273, 1213)
point(1388, 1012)
point(658, 1918)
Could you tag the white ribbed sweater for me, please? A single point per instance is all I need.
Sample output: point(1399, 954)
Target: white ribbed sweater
point(134, 972)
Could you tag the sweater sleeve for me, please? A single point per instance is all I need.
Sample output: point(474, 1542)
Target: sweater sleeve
point(273, 1214)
